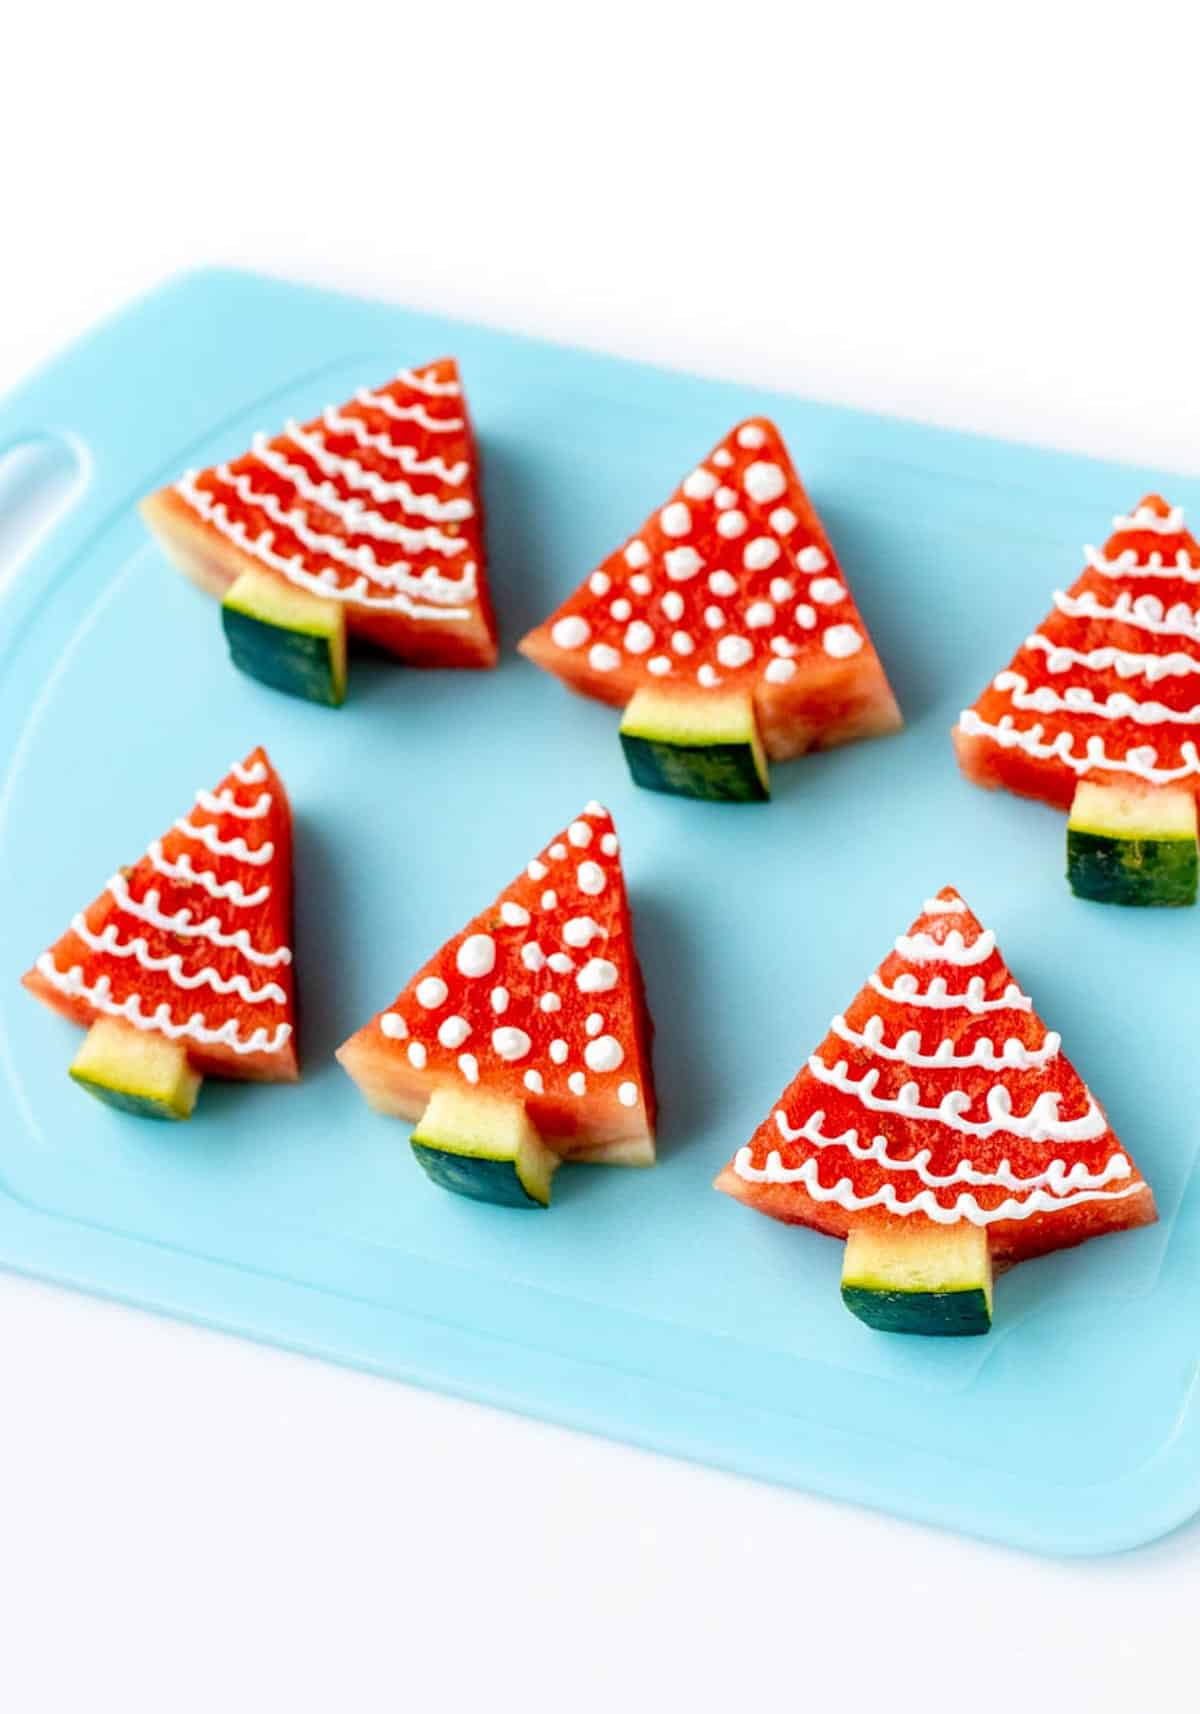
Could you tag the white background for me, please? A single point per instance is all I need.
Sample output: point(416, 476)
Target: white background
point(983, 214)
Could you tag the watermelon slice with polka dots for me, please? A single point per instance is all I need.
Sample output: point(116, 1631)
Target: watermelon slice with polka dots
point(526, 1038)
point(726, 629)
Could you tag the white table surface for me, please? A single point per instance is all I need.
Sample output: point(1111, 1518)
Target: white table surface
point(982, 216)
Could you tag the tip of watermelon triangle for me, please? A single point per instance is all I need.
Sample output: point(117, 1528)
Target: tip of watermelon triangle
point(1156, 504)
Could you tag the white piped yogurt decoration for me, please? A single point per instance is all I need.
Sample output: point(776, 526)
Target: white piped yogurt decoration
point(826, 590)
point(591, 878)
point(764, 482)
point(842, 641)
point(477, 955)
point(431, 992)
point(571, 632)
point(676, 520)
point(511, 1043)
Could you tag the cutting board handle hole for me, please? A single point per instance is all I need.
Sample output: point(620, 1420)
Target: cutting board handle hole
point(41, 479)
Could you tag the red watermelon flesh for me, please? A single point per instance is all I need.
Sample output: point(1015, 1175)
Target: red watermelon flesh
point(1107, 689)
point(539, 1000)
point(732, 585)
point(940, 1095)
point(374, 503)
point(217, 976)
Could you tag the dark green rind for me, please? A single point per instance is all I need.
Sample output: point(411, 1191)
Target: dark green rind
point(719, 773)
point(469, 1175)
point(297, 662)
point(943, 1313)
point(1131, 871)
point(143, 1106)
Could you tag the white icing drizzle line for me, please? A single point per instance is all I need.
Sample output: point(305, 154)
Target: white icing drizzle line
point(1039, 1125)
point(183, 871)
point(925, 949)
point(1078, 699)
point(1146, 518)
point(407, 457)
point(363, 559)
point(357, 517)
point(428, 384)
point(235, 847)
point(109, 943)
point(1141, 761)
point(1143, 612)
point(407, 413)
point(937, 997)
point(1013, 1054)
point(224, 803)
point(1127, 564)
point(325, 582)
point(254, 775)
point(71, 982)
point(1106, 658)
point(1060, 1178)
point(148, 909)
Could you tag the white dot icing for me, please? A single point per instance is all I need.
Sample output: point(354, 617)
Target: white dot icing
point(453, 1031)
point(811, 559)
point(640, 583)
point(700, 484)
point(500, 1000)
point(594, 1024)
point(637, 554)
point(513, 915)
point(603, 658)
point(750, 435)
point(477, 955)
point(533, 1082)
point(675, 519)
point(597, 976)
point(416, 1055)
point(763, 482)
point(627, 1094)
point(599, 583)
point(610, 844)
point(714, 618)
point(841, 641)
point(393, 1026)
point(783, 646)
point(559, 962)
point(723, 583)
point(549, 899)
point(571, 632)
point(682, 643)
point(469, 1066)
point(639, 637)
point(672, 604)
point(591, 878)
point(558, 851)
point(722, 457)
point(558, 1050)
point(724, 498)
point(731, 525)
point(805, 616)
point(550, 1003)
point(760, 553)
point(577, 1083)
point(536, 871)
point(621, 609)
point(784, 520)
point(578, 931)
point(707, 677)
point(780, 671)
point(579, 833)
point(735, 651)
point(532, 957)
point(603, 1054)
point(682, 563)
point(509, 1043)
point(826, 590)
point(760, 614)
point(782, 589)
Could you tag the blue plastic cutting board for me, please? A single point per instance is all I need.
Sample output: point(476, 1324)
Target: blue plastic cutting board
point(643, 1305)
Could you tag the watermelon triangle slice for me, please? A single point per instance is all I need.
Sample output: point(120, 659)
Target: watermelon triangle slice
point(940, 1129)
point(526, 1038)
point(182, 967)
point(726, 629)
point(366, 518)
point(1098, 712)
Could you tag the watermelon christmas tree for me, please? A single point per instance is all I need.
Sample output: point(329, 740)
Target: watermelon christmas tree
point(941, 1131)
point(526, 1039)
point(181, 969)
point(366, 519)
point(1099, 713)
point(725, 629)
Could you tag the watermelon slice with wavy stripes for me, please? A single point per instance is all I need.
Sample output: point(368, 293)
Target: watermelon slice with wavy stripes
point(367, 520)
point(1098, 712)
point(940, 1129)
point(182, 968)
